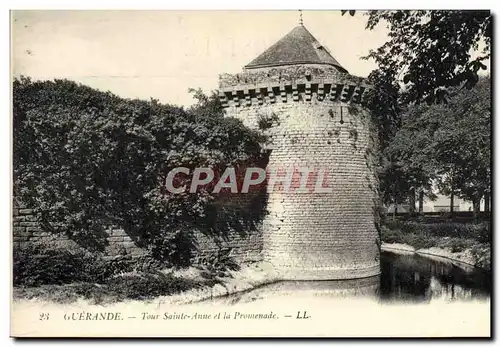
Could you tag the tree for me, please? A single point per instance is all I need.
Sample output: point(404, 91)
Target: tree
point(450, 143)
point(206, 105)
point(432, 50)
point(383, 101)
point(86, 160)
point(385, 111)
point(429, 53)
point(464, 142)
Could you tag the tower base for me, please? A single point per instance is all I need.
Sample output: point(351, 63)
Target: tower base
point(326, 273)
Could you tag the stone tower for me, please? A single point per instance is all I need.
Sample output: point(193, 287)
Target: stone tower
point(314, 107)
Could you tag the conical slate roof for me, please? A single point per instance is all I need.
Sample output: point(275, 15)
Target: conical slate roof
point(297, 47)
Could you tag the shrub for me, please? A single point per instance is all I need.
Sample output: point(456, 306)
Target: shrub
point(63, 273)
point(85, 160)
point(482, 232)
point(148, 285)
point(266, 122)
point(40, 263)
point(419, 241)
point(482, 256)
point(477, 231)
point(138, 286)
point(219, 263)
point(67, 293)
point(390, 235)
point(457, 245)
point(103, 269)
point(36, 264)
point(408, 234)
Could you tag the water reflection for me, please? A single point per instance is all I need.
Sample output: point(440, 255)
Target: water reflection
point(408, 278)
point(417, 278)
point(366, 287)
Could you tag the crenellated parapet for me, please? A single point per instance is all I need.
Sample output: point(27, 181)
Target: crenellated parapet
point(300, 96)
point(290, 84)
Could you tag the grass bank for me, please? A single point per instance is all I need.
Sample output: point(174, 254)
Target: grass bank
point(176, 287)
point(470, 238)
point(61, 273)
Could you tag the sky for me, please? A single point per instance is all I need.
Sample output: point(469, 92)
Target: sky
point(161, 54)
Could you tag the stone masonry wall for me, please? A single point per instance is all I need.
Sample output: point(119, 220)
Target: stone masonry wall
point(244, 233)
point(317, 235)
point(26, 229)
point(319, 124)
point(246, 246)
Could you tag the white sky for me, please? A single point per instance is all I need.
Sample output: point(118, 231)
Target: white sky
point(161, 54)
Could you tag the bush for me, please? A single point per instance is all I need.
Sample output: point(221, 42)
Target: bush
point(478, 231)
point(419, 241)
point(482, 256)
point(41, 263)
point(36, 264)
point(457, 245)
point(136, 286)
point(407, 234)
point(147, 285)
point(219, 263)
point(88, 275)
point(390, 235)
point(65, 294)
point(85, 160)
point(64, 273)
point(266, 122)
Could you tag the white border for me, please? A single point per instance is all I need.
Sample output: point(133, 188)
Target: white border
point(5, 127)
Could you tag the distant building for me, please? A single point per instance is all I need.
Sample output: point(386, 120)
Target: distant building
point(441, 204)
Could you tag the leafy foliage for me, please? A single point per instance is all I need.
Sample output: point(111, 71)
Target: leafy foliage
point(386, 112)
point(148, 285)
point(40, 263)
point(86, 160)
point(480, 232)
point(218, 263)
point(68, 273)
point(422, 144)
point(266, 122)
point(457, 237)
point(207, 105)
point(482, 256)
point(433, 50)
point(435, 56)
point(449, 142)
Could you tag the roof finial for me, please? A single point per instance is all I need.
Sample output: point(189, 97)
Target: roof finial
point(301, 22)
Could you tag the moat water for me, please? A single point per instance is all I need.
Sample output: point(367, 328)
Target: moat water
point(403, 278)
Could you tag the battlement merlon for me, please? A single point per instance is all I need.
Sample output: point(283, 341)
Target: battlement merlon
point(288, 84)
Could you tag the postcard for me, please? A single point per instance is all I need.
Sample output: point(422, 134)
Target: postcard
point(251, 173)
